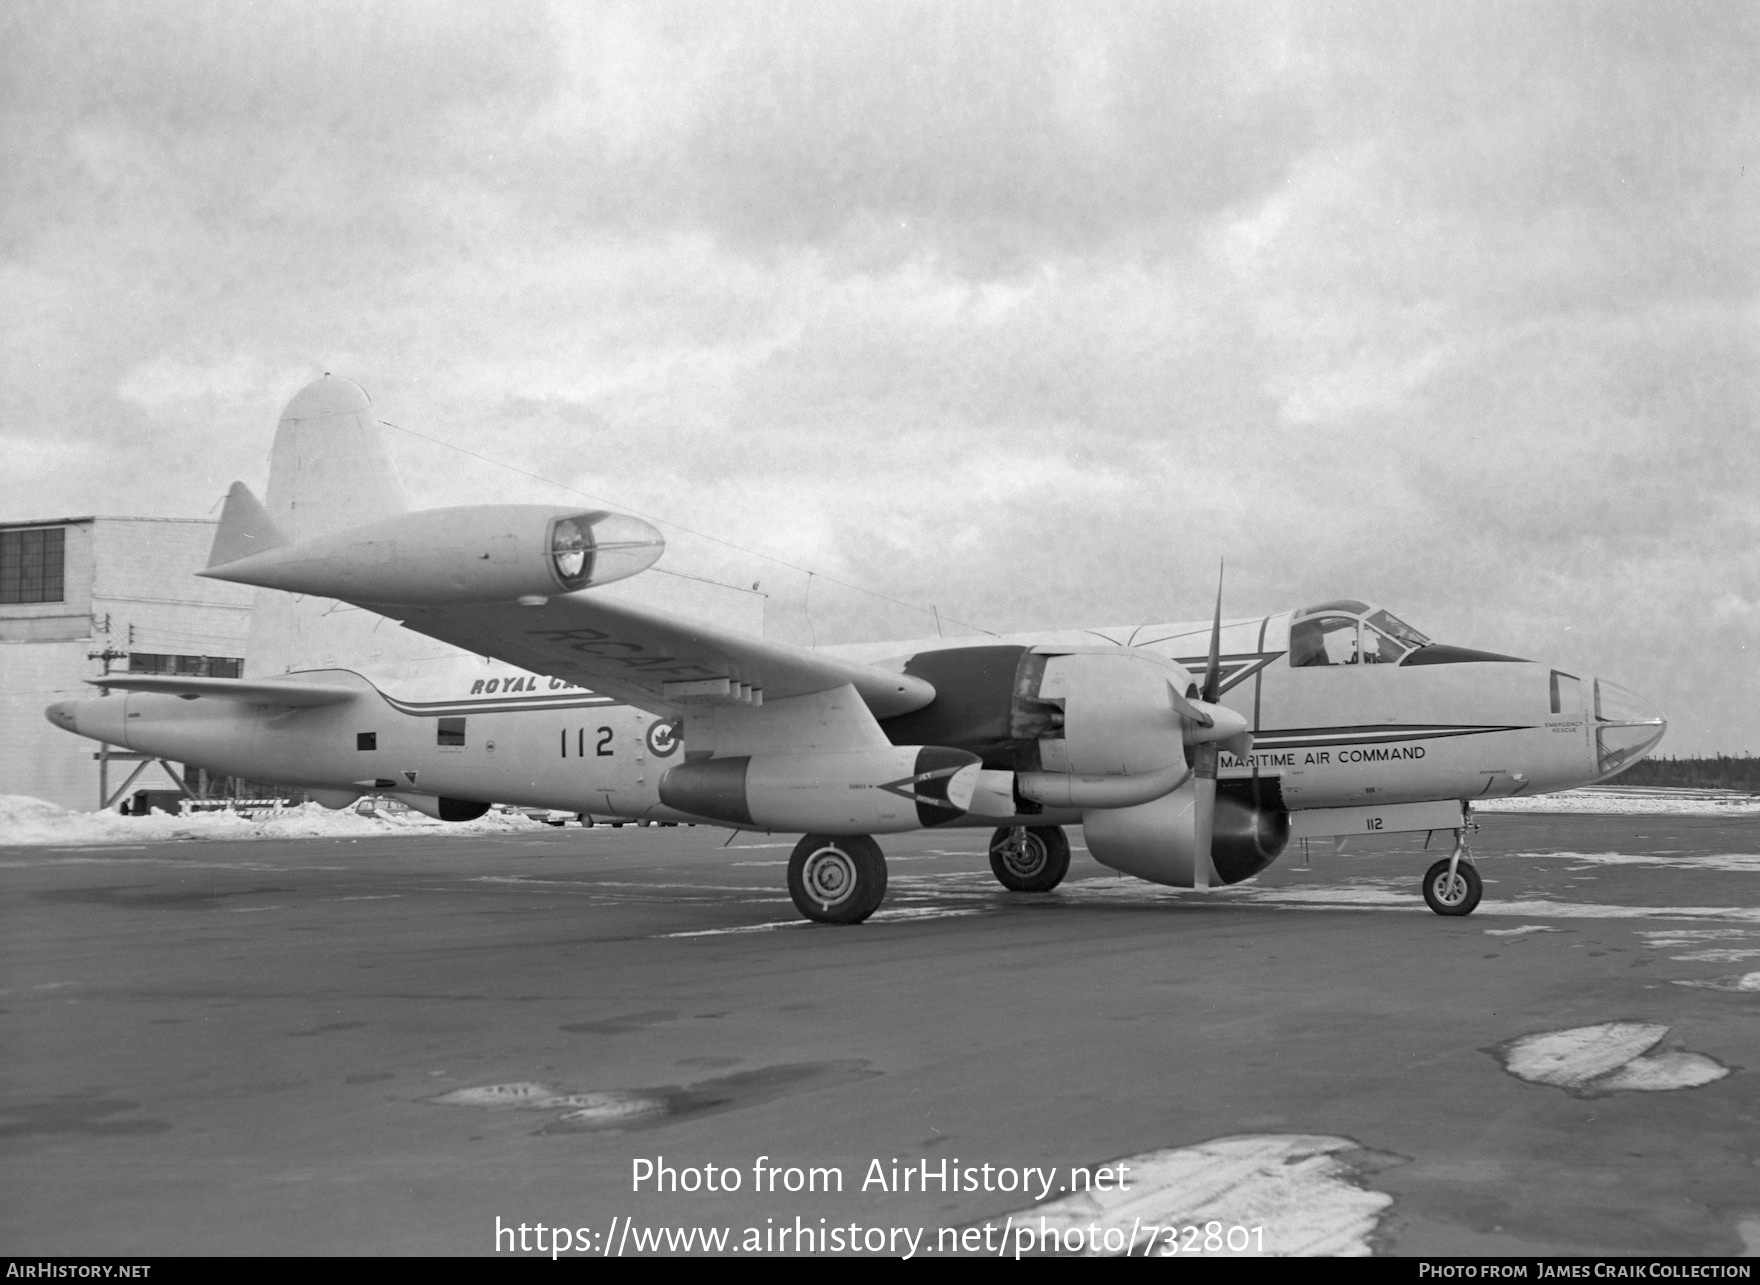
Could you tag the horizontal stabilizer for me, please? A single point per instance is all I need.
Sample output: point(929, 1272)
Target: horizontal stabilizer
point(245, 528)
point(252, 691)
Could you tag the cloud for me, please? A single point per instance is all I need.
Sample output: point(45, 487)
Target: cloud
point(1032, 312)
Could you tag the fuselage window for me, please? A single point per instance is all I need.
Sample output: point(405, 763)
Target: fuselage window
point(366, 740)
point(451, 733)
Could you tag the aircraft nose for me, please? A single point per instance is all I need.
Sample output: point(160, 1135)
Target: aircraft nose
point(1627, 727)
point(61, 713)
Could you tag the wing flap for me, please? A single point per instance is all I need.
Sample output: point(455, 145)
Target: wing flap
point(252, 691)
point(653, 660)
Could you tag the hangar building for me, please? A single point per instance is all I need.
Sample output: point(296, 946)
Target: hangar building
point(80, 596)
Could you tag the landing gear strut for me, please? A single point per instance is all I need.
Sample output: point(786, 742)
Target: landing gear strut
point(1452, 886)
point(1029, 859)
point(837, 879)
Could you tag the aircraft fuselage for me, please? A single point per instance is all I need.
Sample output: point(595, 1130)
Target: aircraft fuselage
point(1360, 731)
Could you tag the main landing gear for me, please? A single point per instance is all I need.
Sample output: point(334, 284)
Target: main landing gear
point(841, 879)
point(1029, 858)
point(1452, 886)
point(837, 879)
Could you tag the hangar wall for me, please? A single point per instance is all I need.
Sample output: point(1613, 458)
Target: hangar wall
point(72, 587)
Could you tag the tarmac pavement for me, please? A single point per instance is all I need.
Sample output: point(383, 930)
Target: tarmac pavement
point(387, 1045)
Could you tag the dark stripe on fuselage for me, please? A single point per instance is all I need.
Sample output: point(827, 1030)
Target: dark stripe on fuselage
point(1234, 669)
point(1310, 737)
point(1259, 675)
point(432, 709)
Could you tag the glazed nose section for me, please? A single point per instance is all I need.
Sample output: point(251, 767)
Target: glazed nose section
point(1627, 727)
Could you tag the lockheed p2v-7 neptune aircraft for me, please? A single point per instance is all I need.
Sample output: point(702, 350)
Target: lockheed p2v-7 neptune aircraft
point(1189, 754)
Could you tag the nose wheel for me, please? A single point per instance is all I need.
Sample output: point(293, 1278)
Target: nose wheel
point(1029, 858)
point(837, 879)
point(1452, 886)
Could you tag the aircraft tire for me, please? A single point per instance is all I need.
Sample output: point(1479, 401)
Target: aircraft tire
point(837, 879)
point(1029, 858)
point(1457, 900)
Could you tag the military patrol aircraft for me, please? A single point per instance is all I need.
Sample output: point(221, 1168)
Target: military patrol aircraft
point(1189, 754)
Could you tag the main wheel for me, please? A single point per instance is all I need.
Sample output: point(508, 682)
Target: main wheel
point(1456, 897)
point(1027, 859)
point(837, 880)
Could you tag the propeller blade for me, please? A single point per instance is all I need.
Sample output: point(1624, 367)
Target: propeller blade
point(1213, 670)
point(1204, 812)
point(1204, 754)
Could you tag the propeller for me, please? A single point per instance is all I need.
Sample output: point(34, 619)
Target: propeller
point(1204, 754)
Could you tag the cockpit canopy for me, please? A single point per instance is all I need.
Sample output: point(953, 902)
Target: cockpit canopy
point(1348, 632)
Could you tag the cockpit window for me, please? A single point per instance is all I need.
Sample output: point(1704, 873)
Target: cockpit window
point(1323, 640)
point(1398, 630)
point(1325, 635)
point(1379, 649)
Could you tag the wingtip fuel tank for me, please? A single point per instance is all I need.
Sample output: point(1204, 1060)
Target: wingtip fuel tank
point(473, 554)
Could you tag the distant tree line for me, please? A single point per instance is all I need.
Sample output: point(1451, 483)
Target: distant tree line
point(1721, 772)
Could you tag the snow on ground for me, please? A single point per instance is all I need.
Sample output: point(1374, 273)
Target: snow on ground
point(24, 820)
point(1247, 1195)
point(1600, 1059)
point(1632, 801)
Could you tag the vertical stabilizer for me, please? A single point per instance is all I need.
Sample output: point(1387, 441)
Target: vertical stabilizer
point(329, 469)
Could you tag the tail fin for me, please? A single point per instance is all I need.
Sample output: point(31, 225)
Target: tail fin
point(329, 469)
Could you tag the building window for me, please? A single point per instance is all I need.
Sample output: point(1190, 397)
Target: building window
point(147, 662)
point(452, 733)
point(366, 740)
point(32, 562)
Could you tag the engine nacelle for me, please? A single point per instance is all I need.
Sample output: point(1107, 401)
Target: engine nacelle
point(1156, 841)
point(1118, 717)
point(475, 553)
point(877, 791)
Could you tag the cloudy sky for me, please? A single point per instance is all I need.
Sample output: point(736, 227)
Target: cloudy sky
point(1029, 312)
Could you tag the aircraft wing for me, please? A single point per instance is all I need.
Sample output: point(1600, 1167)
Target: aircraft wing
point(485, 578)
point(255, 691)
point(654, 660)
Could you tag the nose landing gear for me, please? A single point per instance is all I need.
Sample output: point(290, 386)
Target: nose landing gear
point(1452, 886)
